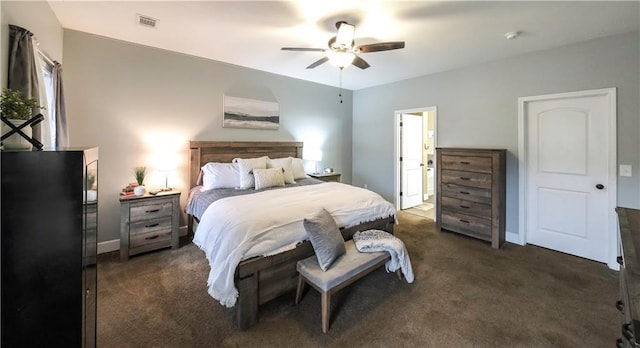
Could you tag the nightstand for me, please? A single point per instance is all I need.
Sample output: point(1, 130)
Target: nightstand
point(149, 222)
point(326, 177)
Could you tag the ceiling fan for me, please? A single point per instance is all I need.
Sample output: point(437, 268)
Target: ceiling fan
point(342, 51)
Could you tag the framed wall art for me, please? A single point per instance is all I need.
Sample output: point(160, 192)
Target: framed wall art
point(250, 113)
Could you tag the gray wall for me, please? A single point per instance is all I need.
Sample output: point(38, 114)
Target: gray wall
point(477, 106)
point(131, 100)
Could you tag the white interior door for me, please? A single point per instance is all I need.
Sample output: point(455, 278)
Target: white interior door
point(411, 164)
point(567, 188)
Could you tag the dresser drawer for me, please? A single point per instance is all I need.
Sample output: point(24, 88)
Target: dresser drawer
point(466, 224)
point(473, 194)
point(471, 179)
point(467, 163)
point(466, 207)
point(154, 237)
point(147, 226)
point(150, 211)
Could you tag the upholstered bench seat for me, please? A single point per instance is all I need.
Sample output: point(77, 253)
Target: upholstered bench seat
point(345, 270)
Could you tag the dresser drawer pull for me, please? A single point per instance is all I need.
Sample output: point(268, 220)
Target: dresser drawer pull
point(619, 260)
point(465, 221)
point(619, 343)
point(152, 237)
point(464, 207)
point(620, 305)
point(465, 162)
point(464, 192)
point(626, 332)
point(152, 211)
point(152, 225)
point(463, 178)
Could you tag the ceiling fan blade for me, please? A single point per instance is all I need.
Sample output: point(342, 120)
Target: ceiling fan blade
point(360, 63)
point(318, 62)
point(303, 49)
point(382, 46)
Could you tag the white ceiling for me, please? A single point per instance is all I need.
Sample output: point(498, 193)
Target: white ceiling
point(439, 35)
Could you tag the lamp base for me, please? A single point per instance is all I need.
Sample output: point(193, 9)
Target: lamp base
point(166, 189)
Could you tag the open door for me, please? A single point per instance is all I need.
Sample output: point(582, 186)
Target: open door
point(411, 164)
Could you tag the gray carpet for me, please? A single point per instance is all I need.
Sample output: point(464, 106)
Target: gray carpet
point(465, 295)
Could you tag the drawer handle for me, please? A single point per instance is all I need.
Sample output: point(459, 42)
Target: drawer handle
point(465, 162)
point(619, 260)
point(465, 221)
point(152, 211)
point(620, 306)
point(463, 178)
point(152, 225)
point(626, 332)
point(464, 192)
point(153, 237)
point(464, 206)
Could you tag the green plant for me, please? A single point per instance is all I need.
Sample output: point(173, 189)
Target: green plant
point(140, 173)
point(91, 179)
point(14, 106)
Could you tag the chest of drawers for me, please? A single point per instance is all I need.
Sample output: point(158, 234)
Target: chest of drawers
point(471, 192)
point(629, 277)
point(149, 223)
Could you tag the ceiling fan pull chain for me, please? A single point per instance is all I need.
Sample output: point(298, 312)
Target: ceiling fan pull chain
point(340, 93)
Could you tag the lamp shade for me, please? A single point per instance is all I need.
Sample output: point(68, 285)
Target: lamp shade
point(312, 155)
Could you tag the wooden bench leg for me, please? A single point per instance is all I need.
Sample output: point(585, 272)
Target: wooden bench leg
point(301, 284)
point(326, 304)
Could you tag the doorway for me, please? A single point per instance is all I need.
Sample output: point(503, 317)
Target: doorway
point(568, 173)
point(414, 167)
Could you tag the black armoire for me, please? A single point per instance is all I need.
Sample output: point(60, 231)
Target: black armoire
point(49, 244)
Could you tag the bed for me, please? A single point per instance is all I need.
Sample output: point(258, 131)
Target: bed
point(264, 276)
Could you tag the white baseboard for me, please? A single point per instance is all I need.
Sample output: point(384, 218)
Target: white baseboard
point(108, 246)
point(114, 245)
point(513, 238)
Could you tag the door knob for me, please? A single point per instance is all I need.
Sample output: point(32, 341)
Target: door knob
point(599, 186)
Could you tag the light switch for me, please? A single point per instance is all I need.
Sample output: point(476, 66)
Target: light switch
point(625, 170)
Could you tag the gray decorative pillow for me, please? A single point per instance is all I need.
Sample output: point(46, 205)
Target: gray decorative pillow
point(325, 237)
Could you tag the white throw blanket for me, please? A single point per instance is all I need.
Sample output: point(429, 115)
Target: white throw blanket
point(236, 228)
point(376, 240)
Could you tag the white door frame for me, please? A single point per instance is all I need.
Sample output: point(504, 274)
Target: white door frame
point(523, 132)
point(398, 149)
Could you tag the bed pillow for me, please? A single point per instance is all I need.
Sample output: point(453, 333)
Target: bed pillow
point(246, 167)
point(298, 168)
point(268, 177)
point(220, 175)
point(325, 237)
point(286, 164)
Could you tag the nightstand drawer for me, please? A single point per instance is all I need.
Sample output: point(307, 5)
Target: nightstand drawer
point(155, 237)
point(472, 179)
point(473, 194)
point(466, 207)
point(466, 224)
point(150, 226)
point(150, 211)
point(467, 163)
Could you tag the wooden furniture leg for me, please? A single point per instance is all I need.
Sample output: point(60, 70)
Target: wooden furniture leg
point(326, 304)
point(247, 304)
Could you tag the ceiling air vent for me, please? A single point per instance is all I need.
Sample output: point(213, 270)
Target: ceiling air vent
point(146, 21)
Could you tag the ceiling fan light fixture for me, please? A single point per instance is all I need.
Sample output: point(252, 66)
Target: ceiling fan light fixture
point(341, 59)
point(346, 33)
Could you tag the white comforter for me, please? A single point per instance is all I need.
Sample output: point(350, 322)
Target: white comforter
point(236, 228)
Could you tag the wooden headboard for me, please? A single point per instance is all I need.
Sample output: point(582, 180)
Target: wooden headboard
point(202, 152)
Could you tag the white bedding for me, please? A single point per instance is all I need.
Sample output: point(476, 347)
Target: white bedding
point(240, 227)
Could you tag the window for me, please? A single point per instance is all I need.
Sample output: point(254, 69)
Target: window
point(46, 91)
